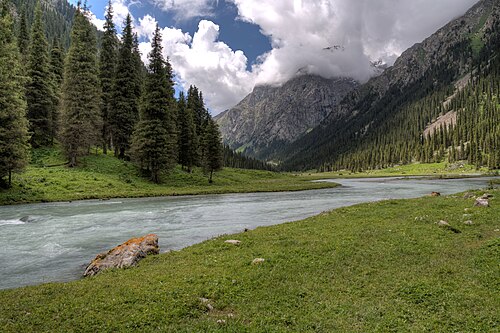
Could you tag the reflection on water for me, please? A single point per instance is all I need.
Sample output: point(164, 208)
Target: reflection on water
point(51, 242)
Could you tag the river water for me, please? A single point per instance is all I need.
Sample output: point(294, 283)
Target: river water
point(54, 241)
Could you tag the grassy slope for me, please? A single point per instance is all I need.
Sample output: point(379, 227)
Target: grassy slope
point(379, 267)
point(102, 176)
point(417, 169)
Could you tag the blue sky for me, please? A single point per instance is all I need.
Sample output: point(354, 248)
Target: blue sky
point(227, 47)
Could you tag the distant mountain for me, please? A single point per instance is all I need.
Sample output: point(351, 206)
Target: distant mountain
point(58, 17)
point(382, 123)
point(272, 117)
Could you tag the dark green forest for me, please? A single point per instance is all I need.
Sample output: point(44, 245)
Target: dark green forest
point(67, 85)
point(86, 96)
point(390, 129)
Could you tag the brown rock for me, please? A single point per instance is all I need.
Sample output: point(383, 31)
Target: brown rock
point(125, 255)
point(435, 194)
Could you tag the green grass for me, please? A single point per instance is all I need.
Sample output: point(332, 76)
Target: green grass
point(378, 267)
point(100, 177)
point(416, 169)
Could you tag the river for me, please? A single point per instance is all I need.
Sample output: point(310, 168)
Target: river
point(54, 241)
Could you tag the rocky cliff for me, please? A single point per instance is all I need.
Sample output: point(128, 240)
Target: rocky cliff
point(272, 117)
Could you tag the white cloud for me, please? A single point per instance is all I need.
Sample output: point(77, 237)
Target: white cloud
point(325, 37)
point(186, 9)
point(365, 30)
point(209, 64)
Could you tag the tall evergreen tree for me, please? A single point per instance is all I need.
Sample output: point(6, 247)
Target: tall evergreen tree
point(154, 142)
point(125, 107)
point(188, 141)
point(38, 90)
point(107, 71)
point(57, 74)
point(213, 149)
point(23, 39)
point(14, 137)
point(81, 119)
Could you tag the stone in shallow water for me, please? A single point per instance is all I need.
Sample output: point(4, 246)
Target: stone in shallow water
point(125, 255)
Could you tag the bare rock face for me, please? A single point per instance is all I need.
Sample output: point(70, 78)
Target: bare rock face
point(125, 255)
point(271, 117)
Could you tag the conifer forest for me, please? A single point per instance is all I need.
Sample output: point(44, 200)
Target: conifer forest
point(65, 84)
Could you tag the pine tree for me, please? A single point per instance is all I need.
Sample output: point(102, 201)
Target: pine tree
point(107, 71)
point(125, 107)
point(80, 100)
point(39, 94)
point(23, 39)
point(57, 74)
point(154, 141)
point(14, 137)
point(212, 146)
point(188, 141)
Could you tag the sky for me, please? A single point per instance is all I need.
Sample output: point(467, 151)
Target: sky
point(227, 47)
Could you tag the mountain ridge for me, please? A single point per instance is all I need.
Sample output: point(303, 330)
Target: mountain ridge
point(273, 116)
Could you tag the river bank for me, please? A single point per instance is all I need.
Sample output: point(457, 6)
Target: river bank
point(47, 179)
point(384, 266)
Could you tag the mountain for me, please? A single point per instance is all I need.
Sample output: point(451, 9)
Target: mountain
point(382, 123)
point(57, 17)
point(271, 117)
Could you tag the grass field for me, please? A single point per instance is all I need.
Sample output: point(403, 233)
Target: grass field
point(378, 267)
point(100, 177)
point(445, 170)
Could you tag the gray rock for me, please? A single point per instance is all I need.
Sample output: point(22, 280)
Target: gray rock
point(443, 223)
point(469, 222)
point(258, 261)
point(233, 242)
point(480, 202)
point(271, 117)
point(125, 255)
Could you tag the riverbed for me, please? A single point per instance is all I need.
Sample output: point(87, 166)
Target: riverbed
point(54, 241)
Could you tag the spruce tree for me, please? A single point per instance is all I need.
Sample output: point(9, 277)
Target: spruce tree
point(81, 119)
point(107, 71)
point(39, 93)
point(188, 141)
point(57, 74)
point(212, 146)
point(125, 107)
point(23, 39)
point(154, 141)
point(14, 137)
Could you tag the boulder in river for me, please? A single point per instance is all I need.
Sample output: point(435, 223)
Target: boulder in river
point(125, 255)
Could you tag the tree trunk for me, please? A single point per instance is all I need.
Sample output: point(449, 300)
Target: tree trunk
point(210, 181)
point(10, 178)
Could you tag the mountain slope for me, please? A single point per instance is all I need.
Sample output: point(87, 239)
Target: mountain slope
point(58, 17)
point(411, 92)
point(271, 117)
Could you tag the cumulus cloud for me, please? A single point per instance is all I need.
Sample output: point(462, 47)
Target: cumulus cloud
point(330, 38)
point(341, 37)
point(186, 9)
point(209, 64)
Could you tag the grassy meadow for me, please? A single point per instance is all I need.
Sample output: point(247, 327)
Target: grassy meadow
point(99, 177)
point(376, 267)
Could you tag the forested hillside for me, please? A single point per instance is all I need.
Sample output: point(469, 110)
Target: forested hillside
point(57, 15)
point(454, 74)
point(95, 96)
